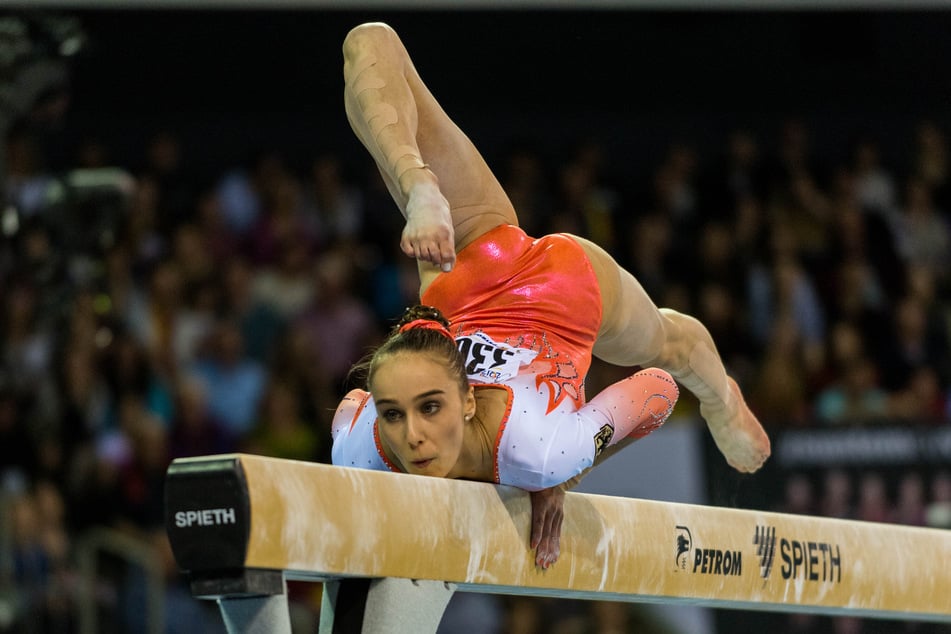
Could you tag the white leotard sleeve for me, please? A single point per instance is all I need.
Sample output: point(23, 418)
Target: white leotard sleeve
point(352, 430)
point(538, 450)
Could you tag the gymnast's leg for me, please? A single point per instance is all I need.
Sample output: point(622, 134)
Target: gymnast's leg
point(440, 182)
point(635, 332)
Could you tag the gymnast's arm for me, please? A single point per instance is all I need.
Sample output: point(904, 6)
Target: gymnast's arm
point(629, 409)
point(548, 513)
point(381, 105)
point(548, 510)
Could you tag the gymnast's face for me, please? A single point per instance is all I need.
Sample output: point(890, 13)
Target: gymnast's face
point(421, 413)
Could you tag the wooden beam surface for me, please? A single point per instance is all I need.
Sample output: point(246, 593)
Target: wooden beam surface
point(317, 521)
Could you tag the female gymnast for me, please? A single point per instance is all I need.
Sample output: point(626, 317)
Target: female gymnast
point(484, 380)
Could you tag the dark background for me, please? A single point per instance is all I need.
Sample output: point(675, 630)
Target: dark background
point(232, 81)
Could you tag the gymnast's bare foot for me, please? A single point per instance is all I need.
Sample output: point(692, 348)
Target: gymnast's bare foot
point(740, 437)
point(428, 235)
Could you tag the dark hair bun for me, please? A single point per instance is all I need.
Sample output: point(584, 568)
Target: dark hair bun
point(421, 311)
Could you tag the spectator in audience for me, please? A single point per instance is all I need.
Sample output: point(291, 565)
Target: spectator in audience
point(220, 242)
point(862, 237)
point(930, 160)
point(85, 399)
point(234, 382)
point(281, 222)
point(779, 391)
point(241, 192)
point(837, 491)
point(332, 209)
point(922, 233)
point(921, 401)
point(165, 324)
point(92, 152)
point(737, 175)
point(27, 351)
point(795, 158)
point(526, 181)
point(675, 196)
point(799, 495)
point(845, 345)
point(721, 310)
point(941, 486)
point(39, 548)
point(287, 287)
point(805, 211)
point(875, 183)
point(176, 188)
point(194, 259)
point(262, 325)
point(910, 503)
point(194, 430)
point(118, 287)
point(26, 179)
point(586, 205)
point(855, 398)
point(126, 369)
point(750, 228)
point(17, 445)
point(938, 512)
point(340, 325)
point(279, 430)
point(140, 504)
point(873, 503)
point(649, 252)
point(393, 284)
point(781, 289)
point(140, 233)
point(914, 341)
point(857, 299)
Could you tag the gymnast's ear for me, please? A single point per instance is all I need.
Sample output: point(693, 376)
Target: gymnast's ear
point(469, 404)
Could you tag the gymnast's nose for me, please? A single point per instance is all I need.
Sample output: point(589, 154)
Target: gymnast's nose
point(414, 431)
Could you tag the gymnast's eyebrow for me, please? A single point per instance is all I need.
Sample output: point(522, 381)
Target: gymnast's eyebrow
point(415, 398)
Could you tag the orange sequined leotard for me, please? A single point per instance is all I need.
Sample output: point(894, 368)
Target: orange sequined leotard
point(525, 313)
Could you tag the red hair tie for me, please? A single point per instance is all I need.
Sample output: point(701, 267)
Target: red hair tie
point(427, 324)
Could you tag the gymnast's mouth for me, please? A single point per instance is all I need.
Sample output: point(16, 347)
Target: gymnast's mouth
point(422, 464)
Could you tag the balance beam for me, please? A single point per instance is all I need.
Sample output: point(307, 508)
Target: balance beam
point(240, 525)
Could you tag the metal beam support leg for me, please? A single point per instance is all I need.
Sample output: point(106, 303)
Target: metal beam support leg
point(256, 615)
point(384, 606)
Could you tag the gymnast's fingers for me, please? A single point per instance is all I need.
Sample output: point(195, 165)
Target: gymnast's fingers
point(538, 524)
point(554, 534)
point(428, 252)
point(547, 516)
point(442, 254)
point(447, 255)
point(549, 546)
point(407, 247)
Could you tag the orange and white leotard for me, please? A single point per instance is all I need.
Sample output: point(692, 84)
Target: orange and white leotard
point(525, 313)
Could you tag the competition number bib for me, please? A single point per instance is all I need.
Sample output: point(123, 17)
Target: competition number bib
point(491, 361)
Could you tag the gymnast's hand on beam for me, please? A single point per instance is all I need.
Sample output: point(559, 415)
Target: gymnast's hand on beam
point(548, 512)
point(428, 235)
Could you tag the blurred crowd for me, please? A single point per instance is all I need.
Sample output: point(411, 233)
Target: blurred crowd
point(153, 311)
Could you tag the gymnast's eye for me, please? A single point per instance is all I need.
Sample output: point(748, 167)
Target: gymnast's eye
point(430, 407)
point(391, 415)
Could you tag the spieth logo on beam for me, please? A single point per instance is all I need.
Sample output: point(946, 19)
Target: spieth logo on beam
point(205, 517)
point(801, 559)
point(765, 541)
